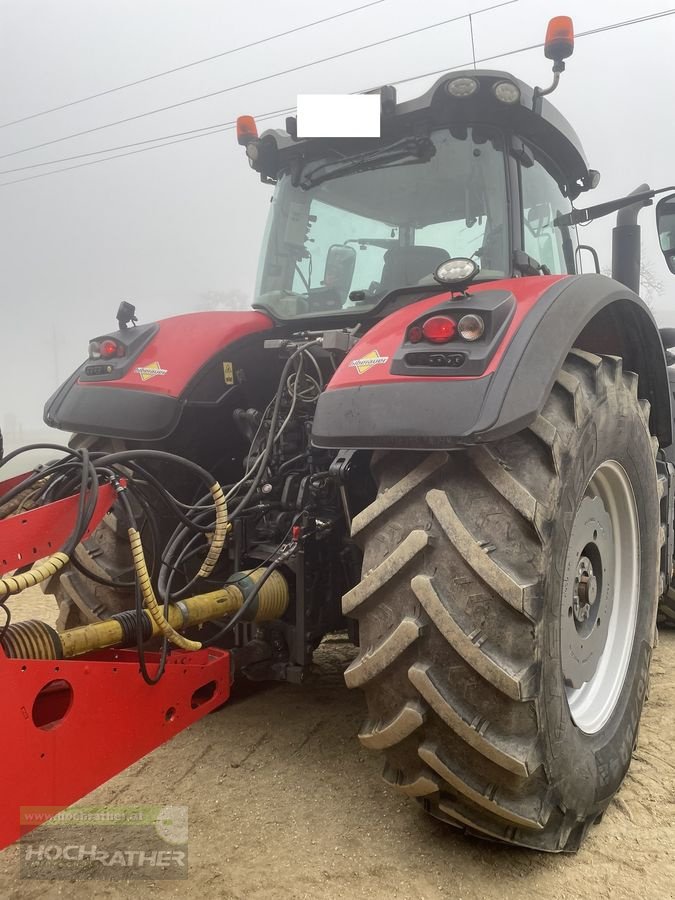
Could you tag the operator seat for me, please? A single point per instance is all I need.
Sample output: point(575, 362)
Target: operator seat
point(406, 266)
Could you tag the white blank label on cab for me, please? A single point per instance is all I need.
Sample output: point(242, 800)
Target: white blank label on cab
point(338, 115)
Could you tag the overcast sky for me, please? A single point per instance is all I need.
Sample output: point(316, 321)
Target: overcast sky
point(163, 227)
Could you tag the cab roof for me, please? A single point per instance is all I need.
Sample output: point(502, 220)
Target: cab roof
point(544, 128)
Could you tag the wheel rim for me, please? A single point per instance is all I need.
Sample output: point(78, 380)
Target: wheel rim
point(600, 597)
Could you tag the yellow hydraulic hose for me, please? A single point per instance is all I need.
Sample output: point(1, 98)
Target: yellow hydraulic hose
point(219, 532)
point(14, 584)
point(153, 607)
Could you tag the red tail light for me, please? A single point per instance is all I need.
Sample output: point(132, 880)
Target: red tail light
point(109, 348)
point(439, 329)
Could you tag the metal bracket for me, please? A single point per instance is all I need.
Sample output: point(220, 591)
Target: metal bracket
point(339, 471)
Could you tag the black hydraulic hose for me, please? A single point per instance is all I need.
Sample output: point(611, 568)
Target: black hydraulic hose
point(154, 532)
point(59, 447)
point(32, 479)
point(271, 435)
point(212, 484)
point(91, 495)
point(140, 640)
point(88, 477)
point(171, 502)
point(185, 554)
point(123, 456)
point(179, 533)
point(74, 539)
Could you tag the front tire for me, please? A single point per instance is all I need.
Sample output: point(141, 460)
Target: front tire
point(502, 713)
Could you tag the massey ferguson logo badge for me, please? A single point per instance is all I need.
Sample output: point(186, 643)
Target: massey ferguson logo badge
point(150, 371)
point(368, 361)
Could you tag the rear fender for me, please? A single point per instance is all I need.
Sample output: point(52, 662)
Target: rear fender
point(198, 358)
point(378, 408)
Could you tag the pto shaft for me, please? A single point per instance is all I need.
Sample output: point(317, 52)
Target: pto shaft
point(37, 640)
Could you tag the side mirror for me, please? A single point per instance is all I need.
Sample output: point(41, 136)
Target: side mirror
point(665, 223)
point(339, 269)
point(539, 219)
point(667, 337)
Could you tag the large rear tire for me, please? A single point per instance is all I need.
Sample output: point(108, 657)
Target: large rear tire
point(667, 608)
point(507, 614)
point(107, 555)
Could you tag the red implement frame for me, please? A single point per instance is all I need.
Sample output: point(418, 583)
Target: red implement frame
point(29, 536)
point(70, 725)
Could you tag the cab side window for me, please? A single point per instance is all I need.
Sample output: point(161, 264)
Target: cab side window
point(543, 202)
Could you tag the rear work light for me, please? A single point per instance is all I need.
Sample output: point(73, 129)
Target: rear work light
point(462, 86)
point(439, 329)
point(471, 327)
point(507, 92)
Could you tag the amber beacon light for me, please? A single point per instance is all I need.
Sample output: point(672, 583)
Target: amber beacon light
point(559, 43)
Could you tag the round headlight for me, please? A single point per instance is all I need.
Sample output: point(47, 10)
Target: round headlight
point(456, 271)
point(506, 91)
point(462, 86)
point(471, 327)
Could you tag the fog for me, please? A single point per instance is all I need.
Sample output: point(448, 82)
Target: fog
point(177, 228)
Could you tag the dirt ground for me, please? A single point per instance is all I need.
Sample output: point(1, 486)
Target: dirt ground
point(284, 803)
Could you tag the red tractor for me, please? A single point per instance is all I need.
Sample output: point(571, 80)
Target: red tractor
point(432, 431)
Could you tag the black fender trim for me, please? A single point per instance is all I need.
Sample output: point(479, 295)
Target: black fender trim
point(112, 411)
point(413, 415)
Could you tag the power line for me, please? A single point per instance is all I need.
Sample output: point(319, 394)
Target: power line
point(234, 87)
point(227, 126)
point(591, 31)
point(216, 128)
point(198, 132)
point(197, 62)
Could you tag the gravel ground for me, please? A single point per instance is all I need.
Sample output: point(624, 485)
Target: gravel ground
point(284, 803)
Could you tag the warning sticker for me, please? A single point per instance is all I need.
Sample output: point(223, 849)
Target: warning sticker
point(228, 371)
point(368, 361)
point(150, 371)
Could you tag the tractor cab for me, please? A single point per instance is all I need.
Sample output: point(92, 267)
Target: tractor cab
point(480, 167)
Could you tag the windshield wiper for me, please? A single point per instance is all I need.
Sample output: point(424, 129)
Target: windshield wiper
point(408, 151)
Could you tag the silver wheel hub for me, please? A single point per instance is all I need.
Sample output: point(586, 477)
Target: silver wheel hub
point(600, 597)
point(588, 591)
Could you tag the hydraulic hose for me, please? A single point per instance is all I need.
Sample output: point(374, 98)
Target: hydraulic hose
point(219, 533)
point(14, 584)
point(221, 524)
point(151, 604)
